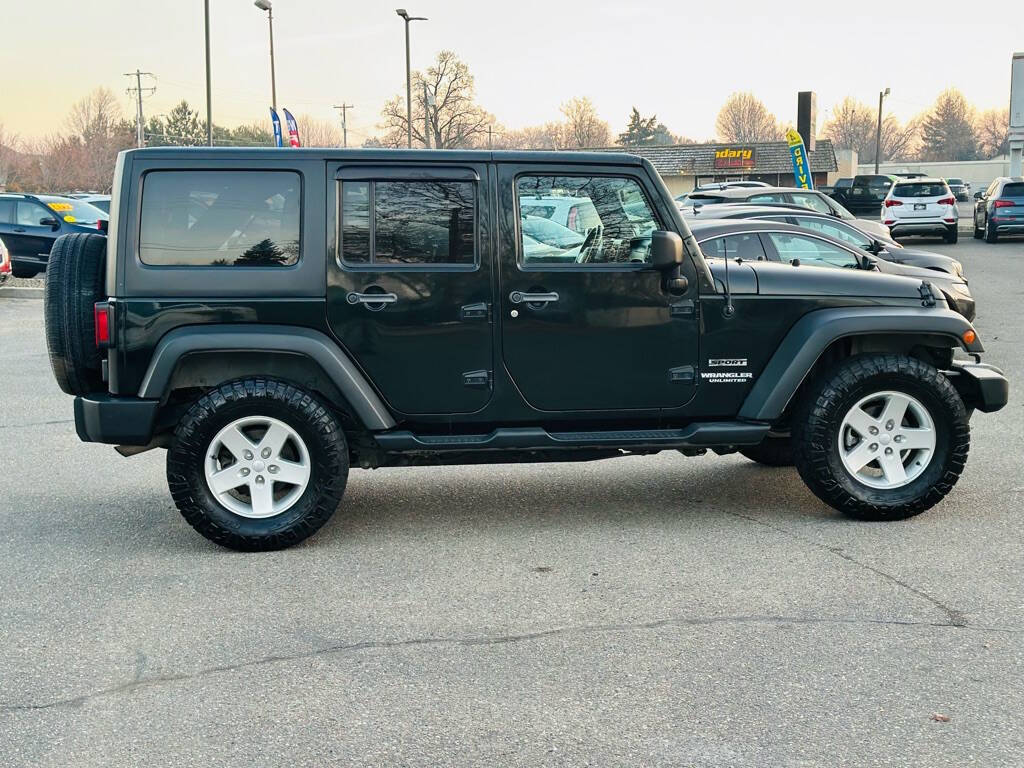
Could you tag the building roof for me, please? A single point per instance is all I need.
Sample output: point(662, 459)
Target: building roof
point(699, 159)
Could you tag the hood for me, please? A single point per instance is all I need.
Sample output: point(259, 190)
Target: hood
point(918, 272)
point(926, 259)
point(873, 228)
point(774, 279)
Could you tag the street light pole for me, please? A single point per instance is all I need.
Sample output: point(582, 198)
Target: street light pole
point(878, 133)
point(266, 5)
point(408, 72)
point(209, 106)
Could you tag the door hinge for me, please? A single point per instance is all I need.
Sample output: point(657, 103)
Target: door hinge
point(479, 311)
point(682, 309)
point(684, 374)
point(476, 379)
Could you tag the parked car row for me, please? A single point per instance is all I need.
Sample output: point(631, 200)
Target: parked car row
point(29, 225)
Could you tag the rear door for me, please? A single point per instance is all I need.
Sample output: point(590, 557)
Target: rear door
point(409, 281)
point(590, 326)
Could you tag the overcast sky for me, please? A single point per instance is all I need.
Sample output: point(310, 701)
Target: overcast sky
point(677, 59)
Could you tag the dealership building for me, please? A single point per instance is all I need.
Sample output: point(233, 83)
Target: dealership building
point(685, 166)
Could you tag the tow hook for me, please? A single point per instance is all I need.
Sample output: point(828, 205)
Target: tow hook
point(927, 297)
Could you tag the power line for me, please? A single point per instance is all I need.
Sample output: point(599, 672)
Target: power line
point(138, 90)
point(344, 122)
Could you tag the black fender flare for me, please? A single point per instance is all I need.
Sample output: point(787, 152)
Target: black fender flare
point(317, 346)
point(812, 334)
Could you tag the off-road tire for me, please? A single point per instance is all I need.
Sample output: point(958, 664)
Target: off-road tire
point(952, 235)
point(772, 452)
point(816, 435)
point(310, 418)
point(991, 233)
point(74, 283)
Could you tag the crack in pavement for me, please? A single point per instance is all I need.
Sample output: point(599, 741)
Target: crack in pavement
point(955, 618)
point(146, 682)
point(37, 424)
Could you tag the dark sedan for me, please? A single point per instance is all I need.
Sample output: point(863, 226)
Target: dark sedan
point(29, 224)
point(755, 240)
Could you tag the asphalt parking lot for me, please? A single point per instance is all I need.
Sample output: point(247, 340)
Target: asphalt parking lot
point(638, 611)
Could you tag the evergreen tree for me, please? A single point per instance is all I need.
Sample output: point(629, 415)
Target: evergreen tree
point(641, 131)
point(947, 132)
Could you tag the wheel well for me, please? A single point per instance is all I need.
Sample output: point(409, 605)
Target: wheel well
point(935, 350)
point(198, 372)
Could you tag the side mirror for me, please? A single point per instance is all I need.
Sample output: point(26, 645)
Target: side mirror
point(666, 250)
point(978, 195)
point(867, 262)
point(49, 221)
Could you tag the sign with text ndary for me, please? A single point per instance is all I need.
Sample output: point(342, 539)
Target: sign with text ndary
point(734, 157)
point(801, 168)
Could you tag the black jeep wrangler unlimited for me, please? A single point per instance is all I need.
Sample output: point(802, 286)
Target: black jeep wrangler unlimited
point(273, 317)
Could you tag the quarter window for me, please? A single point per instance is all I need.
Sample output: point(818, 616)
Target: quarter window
point(408, 222)
point(583, 220)
point(220, 218)
point(811, 251)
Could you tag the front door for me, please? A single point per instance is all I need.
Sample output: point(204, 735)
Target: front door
point(29, 239)
point(409, 281)
point(587, 323)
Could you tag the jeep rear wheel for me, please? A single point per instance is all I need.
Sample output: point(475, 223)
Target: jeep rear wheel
point(257, 464)
point(882, 437)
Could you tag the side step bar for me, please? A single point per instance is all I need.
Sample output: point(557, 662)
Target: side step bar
point(703, 435)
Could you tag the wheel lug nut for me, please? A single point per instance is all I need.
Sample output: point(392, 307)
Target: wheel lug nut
point(265, 453)
point(898, 438)
point(873, 430)
point(888, 451)
point(272, 469)
point(873, 447)
point(244, 472)
point(890, 424)
point(260, 480)
point(247, 455)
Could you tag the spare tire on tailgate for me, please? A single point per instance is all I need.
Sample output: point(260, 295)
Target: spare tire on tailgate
point(75, 277)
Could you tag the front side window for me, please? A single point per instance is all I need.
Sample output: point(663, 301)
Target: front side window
point(30, 214)
point(408, 222)
point(220, 218)
point(746, 246)
point(838, 231)
point(811, 251)
point(583, 220)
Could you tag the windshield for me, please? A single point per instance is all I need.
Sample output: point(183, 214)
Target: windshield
point(73, 211)
point(954, 181)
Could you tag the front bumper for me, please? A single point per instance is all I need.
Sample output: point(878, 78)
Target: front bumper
point(981, 386)
point(115, 420)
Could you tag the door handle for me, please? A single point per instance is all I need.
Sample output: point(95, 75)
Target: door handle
point(19, 229)
point(371, 298)
point(518, 297)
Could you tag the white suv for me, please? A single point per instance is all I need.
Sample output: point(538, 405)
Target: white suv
point(921, 207)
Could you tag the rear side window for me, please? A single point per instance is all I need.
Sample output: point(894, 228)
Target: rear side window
point(747, 246)
point(220, 218)
point(768, 198)
point(920, 189)
point(1013, 190)
point(408, 222)
point(6, 211)
point(812, 202)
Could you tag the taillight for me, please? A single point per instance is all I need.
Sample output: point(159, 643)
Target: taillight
point(101, 312)
point(1003, 204)
point(890, 203)
point(947, 201)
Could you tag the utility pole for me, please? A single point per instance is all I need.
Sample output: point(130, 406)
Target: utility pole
point(878, 133)
point(426, 117)
point(408, 72)
point(344, 122)
point(489, 146)
point(138, 90)
point(209, 104)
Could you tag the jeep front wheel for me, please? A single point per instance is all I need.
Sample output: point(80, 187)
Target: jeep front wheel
point(257, 464)
point(882, 437)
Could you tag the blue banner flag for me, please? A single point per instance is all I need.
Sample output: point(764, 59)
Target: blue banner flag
point(293, 129)
point(801, 167)
point(278, 138)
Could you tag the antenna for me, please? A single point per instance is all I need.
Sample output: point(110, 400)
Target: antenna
point(728, 310)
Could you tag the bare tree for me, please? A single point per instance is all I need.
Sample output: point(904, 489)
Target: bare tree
point(853, 125)
point(744, 118)
point(993, 129)
point(318, 133)
point(583, 128)
point(97, 125)
point(453, 120)
point(11, 159)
